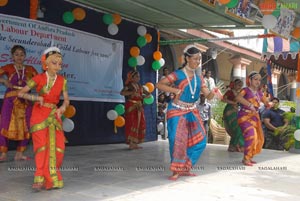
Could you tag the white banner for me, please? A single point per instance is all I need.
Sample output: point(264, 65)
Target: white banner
point(91, 64)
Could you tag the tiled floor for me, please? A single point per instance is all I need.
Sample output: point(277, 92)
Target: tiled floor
point(112, 172)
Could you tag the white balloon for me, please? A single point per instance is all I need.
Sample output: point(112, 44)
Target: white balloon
point(112, 114)
point(113, 29)
point(297, 134)
point(160, 126)
point(140, 60)
point(146, 88)
point(141, 30)
point(68, 125)
point(162, 62)
point(269, 21)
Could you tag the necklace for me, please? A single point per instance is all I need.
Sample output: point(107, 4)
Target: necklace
point(20, 79)
point(193, 91)
point(189, 68)
point(255, 94)
point(50, 81)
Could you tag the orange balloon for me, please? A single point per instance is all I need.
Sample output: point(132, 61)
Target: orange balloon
point(116, 18)
point(298, 93)
point(119, 121)
point(157, 55)
point(3, 2)
point(79, 14)
point(70, 111)
point(224, 1)
point(134, 51)
point(148, 37)
point(296, 32)
point(150, 87)
point(267, 6)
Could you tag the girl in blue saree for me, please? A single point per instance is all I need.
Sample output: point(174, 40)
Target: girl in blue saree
point(187, 136)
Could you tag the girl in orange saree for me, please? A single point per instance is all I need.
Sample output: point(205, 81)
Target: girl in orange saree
point(45, 122)
point(135, 126)
point(15, 112)
point(248, 118)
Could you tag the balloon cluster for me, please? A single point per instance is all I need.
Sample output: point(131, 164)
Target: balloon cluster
point(115, 115)
point(158, 60)
point(136, 59)
point(112, 20)
point(150, 88)
point(77, 14)
point(144, 37)
point(68, 124)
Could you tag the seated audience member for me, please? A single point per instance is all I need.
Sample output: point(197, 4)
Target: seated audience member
point(275, 122)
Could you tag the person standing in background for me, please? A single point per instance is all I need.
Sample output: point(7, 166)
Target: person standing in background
point(15, 112)
point(135, 126)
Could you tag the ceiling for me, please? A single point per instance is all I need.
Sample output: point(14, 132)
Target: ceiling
point(178, 14)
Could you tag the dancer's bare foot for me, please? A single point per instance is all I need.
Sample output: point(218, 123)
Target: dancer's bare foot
point(174, 177)
point(20, 157)
point(188, 174)
point(3, 157)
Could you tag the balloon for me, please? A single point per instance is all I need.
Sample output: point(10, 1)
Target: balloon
point(116, 18)
point(79, 14)
point(156, 65)
point(148, 37)
point(132, 61)
point(107, 19)
point(140, 60)
point(150, 87)
point(70, 111)
point(269, 21)
point(160, 126)
point(62, 117)
point(68, 17)
point(119, 121)
point(232, 3)
point(141, 41)
point(3, 2)
point(224, 1)
point(157, 55)
point(162, 62)
point(141, 30)
point(134, 51)
point(297, 135)
point(149, 100)
point(112, 114)
point(112, 29)
point(296, 32)
point(146, 88)
point(120, 109)
point(68, 125)
point(276, 12)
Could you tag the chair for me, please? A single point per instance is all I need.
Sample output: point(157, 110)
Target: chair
point(219, 134)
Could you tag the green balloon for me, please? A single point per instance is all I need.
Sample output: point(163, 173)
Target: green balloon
point(68, 17)
point(232, 3)
point(132, 61)
point(62, 117)
point(149, 100)
point(141, 41)
point(156, 65)
point(108, 19)
point(120, 109)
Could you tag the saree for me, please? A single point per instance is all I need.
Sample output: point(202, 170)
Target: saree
point(47, 134)
point(135, 127)
point(250, 123)
point(231, 122)
point(15, 112)
point(187, 136)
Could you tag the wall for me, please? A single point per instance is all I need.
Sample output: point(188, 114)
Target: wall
point(91, 123)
